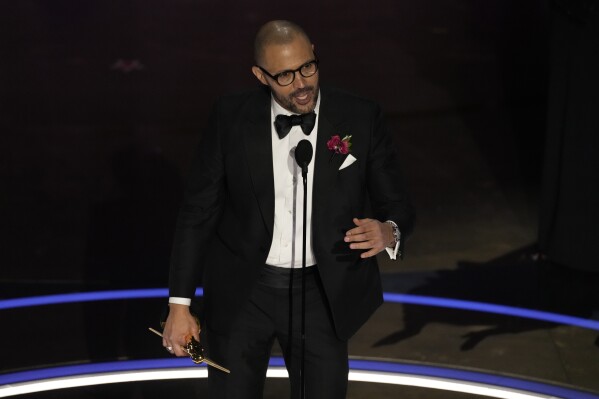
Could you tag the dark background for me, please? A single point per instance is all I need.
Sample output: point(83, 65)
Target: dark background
point(93, 156)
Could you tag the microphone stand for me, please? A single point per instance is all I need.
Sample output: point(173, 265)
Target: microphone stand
point(303, 156)
point(303, 321)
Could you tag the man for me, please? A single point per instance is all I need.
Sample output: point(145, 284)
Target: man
point(240, 225)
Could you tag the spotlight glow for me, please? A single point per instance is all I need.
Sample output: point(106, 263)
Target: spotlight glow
point(370, 371)
point(443, 384)
point(100, 379)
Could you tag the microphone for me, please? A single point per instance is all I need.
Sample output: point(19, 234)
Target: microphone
point(303, 155)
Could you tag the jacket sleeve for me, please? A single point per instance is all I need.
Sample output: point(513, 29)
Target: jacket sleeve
point(386, 187)
point(199, 213)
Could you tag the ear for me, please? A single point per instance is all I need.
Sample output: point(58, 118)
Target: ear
point(259, 75)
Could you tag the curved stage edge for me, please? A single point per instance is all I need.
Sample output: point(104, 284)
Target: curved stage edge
point(370, 371)
point(45, 300)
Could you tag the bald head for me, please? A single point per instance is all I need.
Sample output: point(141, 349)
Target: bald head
point(276, 33)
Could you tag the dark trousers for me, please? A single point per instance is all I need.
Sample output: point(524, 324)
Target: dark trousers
point(274, 312)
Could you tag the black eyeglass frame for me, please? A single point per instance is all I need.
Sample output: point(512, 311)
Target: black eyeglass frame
point(292, 71)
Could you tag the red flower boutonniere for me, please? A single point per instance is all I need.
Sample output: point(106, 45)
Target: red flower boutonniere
point(339, 145)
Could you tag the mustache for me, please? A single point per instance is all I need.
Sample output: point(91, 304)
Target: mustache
point(299, 92)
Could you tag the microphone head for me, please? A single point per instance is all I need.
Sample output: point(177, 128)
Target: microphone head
point(303, 153)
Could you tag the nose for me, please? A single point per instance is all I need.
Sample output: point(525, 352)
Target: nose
point(299, 82)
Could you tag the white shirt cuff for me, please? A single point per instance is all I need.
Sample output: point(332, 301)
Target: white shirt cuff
point(392, 252)
point(179, 300)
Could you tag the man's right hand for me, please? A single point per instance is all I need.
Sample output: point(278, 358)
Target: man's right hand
point(180, 326)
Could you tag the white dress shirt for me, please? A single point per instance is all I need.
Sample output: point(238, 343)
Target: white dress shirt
point(286, 246)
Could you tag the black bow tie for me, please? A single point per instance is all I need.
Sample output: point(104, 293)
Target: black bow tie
point(283, 123)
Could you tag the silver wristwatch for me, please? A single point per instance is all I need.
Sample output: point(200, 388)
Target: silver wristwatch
point(396, 232)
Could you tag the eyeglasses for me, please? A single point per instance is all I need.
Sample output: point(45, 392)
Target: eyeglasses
point(285, 78)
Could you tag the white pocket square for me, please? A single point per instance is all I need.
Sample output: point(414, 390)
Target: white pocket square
point(348, 161)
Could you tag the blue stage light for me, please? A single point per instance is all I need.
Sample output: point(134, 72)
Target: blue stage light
point(389, 297)
point(492, 308)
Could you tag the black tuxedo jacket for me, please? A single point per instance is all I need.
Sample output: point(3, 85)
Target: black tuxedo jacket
point(225, 226)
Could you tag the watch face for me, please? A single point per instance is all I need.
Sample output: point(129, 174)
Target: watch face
point(396, 232)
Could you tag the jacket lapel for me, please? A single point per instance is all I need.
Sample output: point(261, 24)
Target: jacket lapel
point(330, 123)
point(258, 149)
point(325, 171)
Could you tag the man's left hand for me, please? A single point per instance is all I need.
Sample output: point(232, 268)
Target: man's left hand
point(369, 234)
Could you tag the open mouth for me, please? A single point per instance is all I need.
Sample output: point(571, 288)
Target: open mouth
point(303, 97)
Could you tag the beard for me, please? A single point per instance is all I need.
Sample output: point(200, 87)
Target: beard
point(290, 103)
